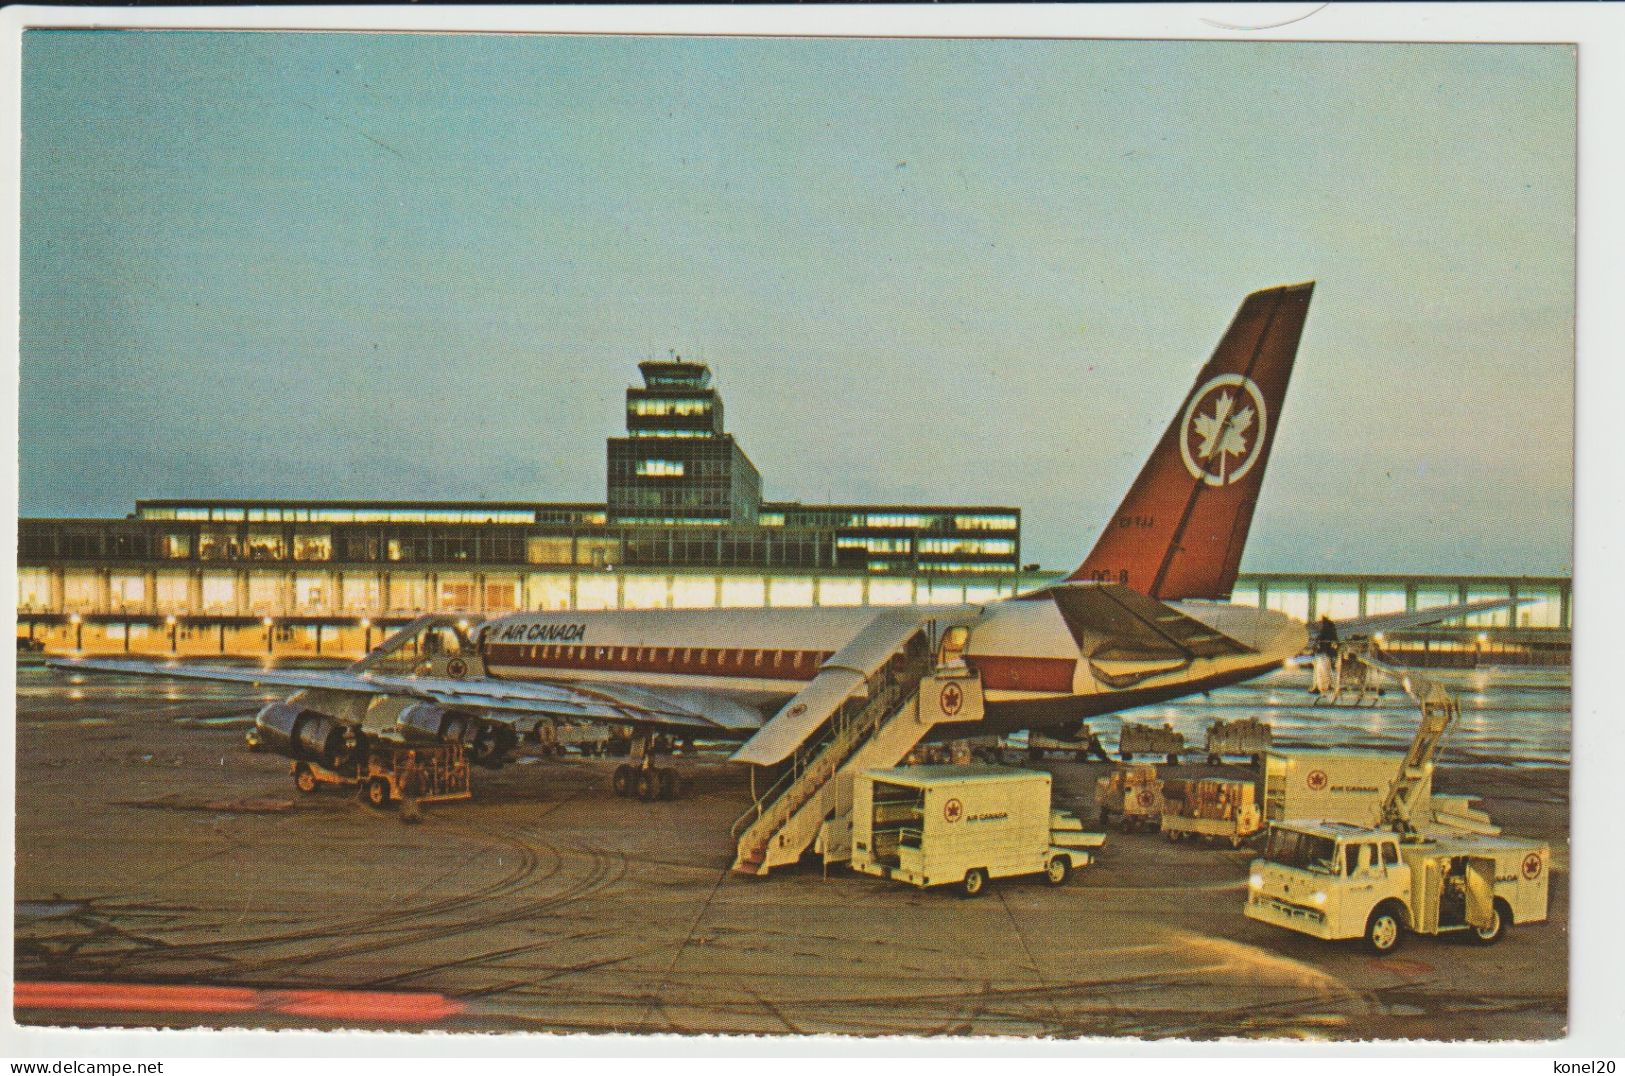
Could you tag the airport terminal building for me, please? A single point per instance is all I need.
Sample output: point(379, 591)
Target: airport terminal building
point(683, 526)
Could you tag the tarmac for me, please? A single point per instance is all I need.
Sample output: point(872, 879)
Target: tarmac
point(154, 850)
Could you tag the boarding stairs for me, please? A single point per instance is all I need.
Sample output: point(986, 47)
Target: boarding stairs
point(870, 704)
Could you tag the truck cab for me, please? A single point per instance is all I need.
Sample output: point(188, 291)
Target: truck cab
point(1326, 879)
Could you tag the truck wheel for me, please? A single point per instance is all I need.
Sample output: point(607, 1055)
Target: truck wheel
point(648, 785)
point(975, 883)
point(1213, 760)
point(304, 778)
point(378, 792)
point(1383, 930)
point(1058, 870)
point(621, 780)
point(1502, 918)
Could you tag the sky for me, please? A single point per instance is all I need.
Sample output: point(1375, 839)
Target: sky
point(974, 272)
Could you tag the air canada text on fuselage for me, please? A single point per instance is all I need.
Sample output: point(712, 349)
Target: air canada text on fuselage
point(542, 633)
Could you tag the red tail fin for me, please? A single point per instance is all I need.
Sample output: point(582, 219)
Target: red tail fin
point(1180, 531)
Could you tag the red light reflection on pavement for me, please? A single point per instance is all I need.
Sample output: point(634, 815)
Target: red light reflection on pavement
point(353, 1005)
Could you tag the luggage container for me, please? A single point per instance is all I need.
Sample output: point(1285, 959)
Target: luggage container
point(963, 826)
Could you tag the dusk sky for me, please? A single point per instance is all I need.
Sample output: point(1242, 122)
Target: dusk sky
point(412, 266)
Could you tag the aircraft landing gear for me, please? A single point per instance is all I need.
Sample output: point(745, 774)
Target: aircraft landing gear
point(643, 779)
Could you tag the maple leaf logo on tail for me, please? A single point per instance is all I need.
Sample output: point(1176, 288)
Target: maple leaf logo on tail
point(1222, 433)
point(1223, 451)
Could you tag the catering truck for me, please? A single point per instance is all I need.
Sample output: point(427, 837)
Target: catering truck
point(963, 826)
point(1340, 879)
point(1334, 880)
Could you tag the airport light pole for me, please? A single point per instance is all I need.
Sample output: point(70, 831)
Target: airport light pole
point(78, 623)
point(267, 622)
point(366, 626)
point(170, 622)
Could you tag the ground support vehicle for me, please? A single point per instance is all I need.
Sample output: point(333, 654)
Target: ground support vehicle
point(1082, 745)
point(1150, 740)
point(1211, 808)
point(1132, 794)
point(1244, 736)
point(1336, 881)
point(379, 769)
point(963, 826)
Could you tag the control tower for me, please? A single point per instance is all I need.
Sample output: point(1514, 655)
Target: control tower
point(676, 465)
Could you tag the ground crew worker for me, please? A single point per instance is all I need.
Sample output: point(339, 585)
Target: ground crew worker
point(1094, 748)
point(414, 783)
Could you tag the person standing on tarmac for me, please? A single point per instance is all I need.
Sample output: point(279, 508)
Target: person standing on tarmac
point(414, 783)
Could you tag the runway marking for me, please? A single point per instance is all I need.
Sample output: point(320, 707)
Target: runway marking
point(354, 1005)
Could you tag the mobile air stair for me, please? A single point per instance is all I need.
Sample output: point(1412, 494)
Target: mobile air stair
point(869, 705)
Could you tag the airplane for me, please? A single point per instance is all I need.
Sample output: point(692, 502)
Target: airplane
point(1144, 619)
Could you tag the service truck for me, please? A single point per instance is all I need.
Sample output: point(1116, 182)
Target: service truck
point(963, 826)
point(1334, 880)
point(1337, 879)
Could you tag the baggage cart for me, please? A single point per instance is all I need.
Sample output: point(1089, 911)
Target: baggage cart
point(1244, 736)
point(379, 769)
point(1212, 809)
point(1149, 740)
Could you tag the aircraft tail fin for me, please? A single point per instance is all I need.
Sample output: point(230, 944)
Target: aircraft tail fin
point(1180, 531)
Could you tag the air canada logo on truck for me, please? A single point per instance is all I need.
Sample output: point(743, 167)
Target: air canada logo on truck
point(1531, 865)
point(456, 668)
point(953, 810)
point(951, 699)
point(1316, 780)
point(544, 633)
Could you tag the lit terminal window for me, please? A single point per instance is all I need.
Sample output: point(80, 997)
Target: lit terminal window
point(670, 433)
point(987, 546)
point(770, 519)
point(985, 523)
point(875, 545)
point(660, 468)
point(897, 521)
point(191, 513)
point(661, 408)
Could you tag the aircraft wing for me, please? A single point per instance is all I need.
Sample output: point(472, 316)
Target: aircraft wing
point(508, 701)
point(1367, 626)
point(320, 679)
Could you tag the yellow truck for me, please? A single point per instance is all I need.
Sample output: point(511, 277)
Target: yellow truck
point(963, 826)
point(1337, 881)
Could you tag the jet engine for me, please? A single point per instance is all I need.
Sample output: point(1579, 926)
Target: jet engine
point(306, 735)
point(424, 722)
point(490, 742)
